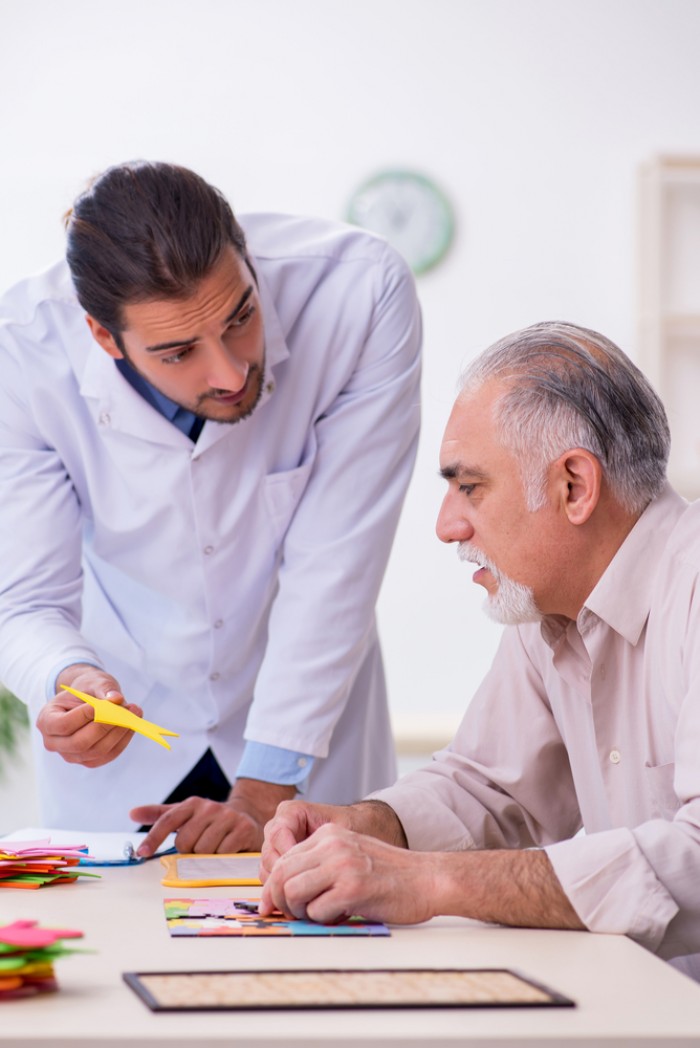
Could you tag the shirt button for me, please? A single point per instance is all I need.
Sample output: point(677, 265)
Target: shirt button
point(302, 762)
point(615, 757)
point(214, 676)
point(218, 624)
point(208, 550)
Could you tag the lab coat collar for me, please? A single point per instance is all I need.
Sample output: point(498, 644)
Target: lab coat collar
point(117, 405)
point(276, 349)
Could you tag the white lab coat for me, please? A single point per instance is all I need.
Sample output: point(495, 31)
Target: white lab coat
point(228, 585)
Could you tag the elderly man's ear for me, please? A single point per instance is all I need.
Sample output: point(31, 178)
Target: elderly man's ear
point(578, 477)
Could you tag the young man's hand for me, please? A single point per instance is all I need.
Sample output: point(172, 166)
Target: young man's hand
point(67, 723)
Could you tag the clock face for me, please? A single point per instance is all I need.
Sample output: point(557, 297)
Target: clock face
point(410, 211)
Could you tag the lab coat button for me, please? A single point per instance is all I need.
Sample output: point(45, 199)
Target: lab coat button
point(104, 418)
point(218, 624)
point(214, 676)
point(208, 550)
point(615, 757)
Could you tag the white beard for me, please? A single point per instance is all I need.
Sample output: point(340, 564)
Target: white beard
point(512, 604)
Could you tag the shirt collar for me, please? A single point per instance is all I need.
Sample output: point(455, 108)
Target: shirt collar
point(622, 596)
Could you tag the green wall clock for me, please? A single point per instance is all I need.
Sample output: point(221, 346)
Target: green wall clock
point(410, 211)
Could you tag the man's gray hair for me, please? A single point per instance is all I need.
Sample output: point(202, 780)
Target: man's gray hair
point(568, 387)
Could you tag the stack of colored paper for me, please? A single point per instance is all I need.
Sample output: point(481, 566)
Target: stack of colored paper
point(27, 953)
point(33, 864)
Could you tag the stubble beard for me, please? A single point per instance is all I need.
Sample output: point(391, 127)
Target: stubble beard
point(236, 412)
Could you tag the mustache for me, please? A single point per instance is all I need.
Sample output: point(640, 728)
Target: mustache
point(467, 551)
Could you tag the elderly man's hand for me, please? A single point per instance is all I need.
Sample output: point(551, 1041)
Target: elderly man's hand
point(293, 822)
point(337, 873)
point(206, 826)
point(68, 726)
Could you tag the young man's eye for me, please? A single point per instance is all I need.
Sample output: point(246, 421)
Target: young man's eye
point(176, 358)
point(243, 317)
point(466, 489)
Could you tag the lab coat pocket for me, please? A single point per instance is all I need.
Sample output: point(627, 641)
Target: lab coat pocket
point(282, 493)
point(663, 802)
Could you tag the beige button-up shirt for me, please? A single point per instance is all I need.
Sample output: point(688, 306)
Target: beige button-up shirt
point(592, 725)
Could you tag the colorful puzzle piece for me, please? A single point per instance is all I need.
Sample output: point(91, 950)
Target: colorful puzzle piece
point(27, 956)
point(28, 864)
point(239, 917)
point(28, 935)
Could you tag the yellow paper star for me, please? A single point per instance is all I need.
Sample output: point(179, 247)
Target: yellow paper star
point(107, 712)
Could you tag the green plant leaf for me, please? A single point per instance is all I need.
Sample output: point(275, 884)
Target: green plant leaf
point(14, 721)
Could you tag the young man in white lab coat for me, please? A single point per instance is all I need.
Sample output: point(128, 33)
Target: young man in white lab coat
point(207, 430)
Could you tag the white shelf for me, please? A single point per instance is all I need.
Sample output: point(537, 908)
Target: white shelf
point(669, 304)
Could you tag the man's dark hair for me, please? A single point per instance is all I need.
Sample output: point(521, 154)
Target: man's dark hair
point(143, 231)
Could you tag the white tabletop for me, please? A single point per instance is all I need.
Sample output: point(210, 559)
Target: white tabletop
point(624, 995)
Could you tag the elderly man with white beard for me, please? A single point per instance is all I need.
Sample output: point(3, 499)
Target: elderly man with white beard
point(589, 719)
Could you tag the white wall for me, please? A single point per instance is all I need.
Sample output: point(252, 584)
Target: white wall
point(532, 114)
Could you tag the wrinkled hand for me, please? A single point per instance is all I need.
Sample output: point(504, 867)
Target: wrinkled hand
point(67, 723)
point(207, 827)
point(338, 873)
point(294, 822)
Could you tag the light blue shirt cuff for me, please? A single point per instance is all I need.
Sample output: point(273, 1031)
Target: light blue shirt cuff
point(274, 764)
point(57, 670)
